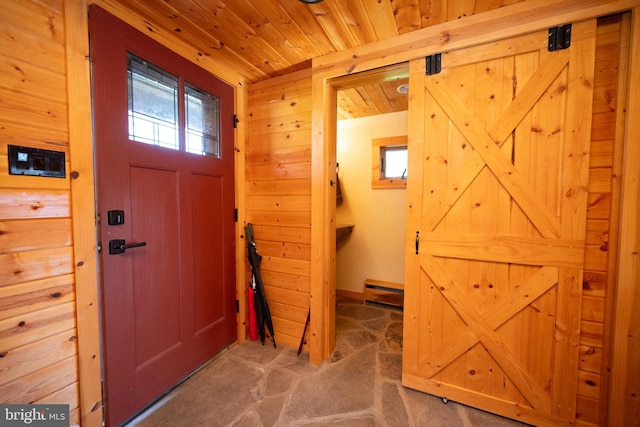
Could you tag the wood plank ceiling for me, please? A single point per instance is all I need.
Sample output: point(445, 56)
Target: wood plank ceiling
point(266, 38)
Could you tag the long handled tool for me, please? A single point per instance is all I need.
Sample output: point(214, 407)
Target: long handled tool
point(304, 331)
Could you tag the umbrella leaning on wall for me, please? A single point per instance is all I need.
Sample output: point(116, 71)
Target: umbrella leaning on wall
point(261, 306)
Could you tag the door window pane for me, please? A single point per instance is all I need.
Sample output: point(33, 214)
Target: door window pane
point(202, 122)
point(153, 104)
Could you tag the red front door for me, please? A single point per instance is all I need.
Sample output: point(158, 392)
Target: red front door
point(168, 305)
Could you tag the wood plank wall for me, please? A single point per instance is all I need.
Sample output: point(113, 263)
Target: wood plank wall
point(278, 195)
point(38, 349)
point(602, 217)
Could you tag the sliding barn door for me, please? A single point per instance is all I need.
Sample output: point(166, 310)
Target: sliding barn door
point(497, 191)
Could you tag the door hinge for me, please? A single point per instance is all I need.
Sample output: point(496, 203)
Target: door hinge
point(434, 64)
point(235, 214)
point(235, 121)
point(559, 37)
point(237, 306)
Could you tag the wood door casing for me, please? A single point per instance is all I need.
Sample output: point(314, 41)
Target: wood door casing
point(497, 187)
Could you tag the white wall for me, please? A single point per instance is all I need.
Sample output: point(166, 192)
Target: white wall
point(375, 248)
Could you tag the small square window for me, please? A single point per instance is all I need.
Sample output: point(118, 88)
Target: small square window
point(393, 161)
point(389, 162)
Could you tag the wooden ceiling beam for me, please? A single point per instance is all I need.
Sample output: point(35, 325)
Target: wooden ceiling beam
point(508, 21)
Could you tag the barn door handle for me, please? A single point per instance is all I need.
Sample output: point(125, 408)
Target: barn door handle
point(417, 241)
point(118, 246)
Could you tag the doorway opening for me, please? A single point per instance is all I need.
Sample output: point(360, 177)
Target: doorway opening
point(369, 220)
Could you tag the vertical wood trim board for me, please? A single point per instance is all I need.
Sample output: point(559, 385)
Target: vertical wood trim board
point(241, 108)
point(83, 212)
point(624, 402)
point(611, 275)
point(611, 67)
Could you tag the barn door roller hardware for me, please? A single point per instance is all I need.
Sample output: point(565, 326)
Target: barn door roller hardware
point(559, 37)
point(434, 64)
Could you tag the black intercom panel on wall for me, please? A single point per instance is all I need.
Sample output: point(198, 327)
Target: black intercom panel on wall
point(36, 162)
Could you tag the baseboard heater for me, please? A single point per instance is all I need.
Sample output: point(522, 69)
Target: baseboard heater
point(383, 292)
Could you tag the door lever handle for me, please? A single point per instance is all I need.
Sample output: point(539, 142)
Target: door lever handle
point(118, 246)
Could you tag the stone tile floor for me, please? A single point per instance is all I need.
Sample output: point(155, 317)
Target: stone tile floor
point(359, 385)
